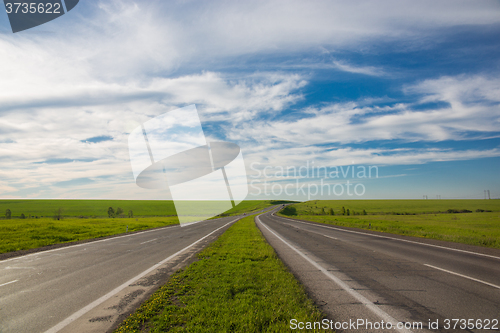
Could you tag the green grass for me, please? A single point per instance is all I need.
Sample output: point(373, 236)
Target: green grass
point(99, 208)
point(76, 208)
point(419, 218)
point(250, 206)
point(19, 234)
point(237, 285)
point(24, 234)
point(396, 206)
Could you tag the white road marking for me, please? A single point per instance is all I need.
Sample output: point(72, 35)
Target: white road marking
point(363, 300)
point(329, 237)
point(398, 239)
point(464, 276)
point(317, 233)
point(4, 284)
point(149, 241)
point(102, 299)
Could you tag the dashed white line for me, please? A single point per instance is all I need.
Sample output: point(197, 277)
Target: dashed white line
point(464, 276)
point(363, 300)
point(151, 240)
point(397, 239)
point(317, 233)
point(4, 284)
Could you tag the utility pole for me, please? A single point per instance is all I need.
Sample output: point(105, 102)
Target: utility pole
point(489, 194)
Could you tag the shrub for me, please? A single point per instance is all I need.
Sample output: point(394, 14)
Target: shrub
point(331, 211)
point(58, 214)
point(119, 211)
point(289, 210)
point(8, 214)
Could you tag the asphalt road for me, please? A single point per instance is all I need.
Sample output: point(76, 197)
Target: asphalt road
point(356, 276)
point(92, 286)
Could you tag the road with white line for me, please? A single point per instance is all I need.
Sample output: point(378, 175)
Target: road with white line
point(367, 278)
point(90, 287)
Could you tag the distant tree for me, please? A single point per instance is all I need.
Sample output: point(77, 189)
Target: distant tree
point(364, 212)
point(323, 211)
point(347, 211)
point(111, 212)
point(23, 216)
point(8, 214)
point(331, 211)
point(130, 213)
point(342, 211)
point(119, 211)
point(58, 214)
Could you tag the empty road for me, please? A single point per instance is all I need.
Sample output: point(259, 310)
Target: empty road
point(89, 287)
point(361, 277)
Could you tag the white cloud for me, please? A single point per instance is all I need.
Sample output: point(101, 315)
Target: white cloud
point(474, 108)
point(367, 70)
point(114, 68)
point(50, 131)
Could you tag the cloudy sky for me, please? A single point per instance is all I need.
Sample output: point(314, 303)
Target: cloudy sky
point(411, 87)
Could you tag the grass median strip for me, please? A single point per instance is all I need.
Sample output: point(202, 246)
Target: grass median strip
point(237, 285)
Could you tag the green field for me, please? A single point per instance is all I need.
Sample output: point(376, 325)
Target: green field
point(397, 206)
point(80, 222)
point(99, 208)
point(19, 234)
point(436, 219)
point(237, 285)
point(87, 208)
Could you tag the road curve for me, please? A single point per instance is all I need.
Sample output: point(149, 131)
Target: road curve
point(357, 276)
point(89, 287)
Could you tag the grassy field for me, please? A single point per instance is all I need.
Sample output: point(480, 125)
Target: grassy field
point(19, 234)
point(99, 208)
point(37, 231)
point(237, 285)
point(420, 218)
point(87, 208)
point(396, 206)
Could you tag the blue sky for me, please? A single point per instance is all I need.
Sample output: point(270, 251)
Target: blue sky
point(410, 87)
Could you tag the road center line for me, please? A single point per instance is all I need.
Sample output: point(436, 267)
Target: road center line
point(151, 240)
point(4, 284)
point(392, 238)
point(363, 300)
point(102, 299)
point(317, 233)
point(464, 276)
